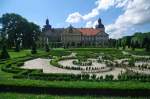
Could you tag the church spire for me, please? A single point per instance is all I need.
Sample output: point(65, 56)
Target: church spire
point(70, 28)
point(100, 25)
point(99, 21)
point(47, 26)
point(47, 22)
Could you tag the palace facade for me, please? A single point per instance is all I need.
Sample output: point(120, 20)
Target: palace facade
point(75, 36)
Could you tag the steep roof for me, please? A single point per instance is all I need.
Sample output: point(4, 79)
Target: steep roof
point(89, 31)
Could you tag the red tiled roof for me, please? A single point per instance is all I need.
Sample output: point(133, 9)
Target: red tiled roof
point(89, 31)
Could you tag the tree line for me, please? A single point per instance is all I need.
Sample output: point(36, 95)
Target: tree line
point(138, 40)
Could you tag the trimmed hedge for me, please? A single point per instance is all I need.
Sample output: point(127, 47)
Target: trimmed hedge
point(52, 77)
point(55, 61)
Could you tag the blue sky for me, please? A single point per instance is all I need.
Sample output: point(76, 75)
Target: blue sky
point(120, 17)
point(38, 10)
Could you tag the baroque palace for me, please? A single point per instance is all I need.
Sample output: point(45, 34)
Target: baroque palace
point(75, 36)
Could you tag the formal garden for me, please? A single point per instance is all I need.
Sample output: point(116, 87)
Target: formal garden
point(78, 69)
point(30, 67)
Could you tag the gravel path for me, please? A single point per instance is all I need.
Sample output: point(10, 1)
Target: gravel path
point(45, 65)
point(47, 68)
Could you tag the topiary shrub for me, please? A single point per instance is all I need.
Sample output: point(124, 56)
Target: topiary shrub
point(34, 51)
point(93, 77)
point(17, 49)
point(47, 48)
point(4, 54)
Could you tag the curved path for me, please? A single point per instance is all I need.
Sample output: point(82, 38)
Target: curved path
point(47, 68)
point(45, 65)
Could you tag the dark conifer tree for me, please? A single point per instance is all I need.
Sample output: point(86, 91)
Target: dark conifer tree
point(34, 51)
point(47, 48)
point(4, 54)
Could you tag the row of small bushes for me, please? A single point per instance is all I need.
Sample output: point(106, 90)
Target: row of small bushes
point(26, 74)
point(52, 77)
point(142, 59)
point(134, 77)
point(144, 66)
point(80, 63)
point(55, 61)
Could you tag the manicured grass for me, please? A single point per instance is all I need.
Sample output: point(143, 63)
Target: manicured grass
point(59, 52)
point(35, 96)
point(99, 50)
point(139, 52)
point(22, 53)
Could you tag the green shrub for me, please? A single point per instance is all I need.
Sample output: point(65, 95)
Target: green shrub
point(47, 48)
point(20, 63)
point(4, 54)
point(33, 50)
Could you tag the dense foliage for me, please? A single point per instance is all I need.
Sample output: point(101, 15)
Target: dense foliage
point(18, 31)
point(138, 40)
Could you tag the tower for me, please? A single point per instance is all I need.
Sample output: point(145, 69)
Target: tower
point(47, 26)
point(47, 22)
point(100, 25)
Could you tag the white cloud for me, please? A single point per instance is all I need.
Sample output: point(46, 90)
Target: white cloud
point(74, 17)
point(92, 14)
point(100, 5)
point(91, 24)
point(137, 12)
point(88, 24)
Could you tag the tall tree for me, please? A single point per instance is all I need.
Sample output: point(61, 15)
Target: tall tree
point(19, 30)
point(12, 25)
point(32, 33)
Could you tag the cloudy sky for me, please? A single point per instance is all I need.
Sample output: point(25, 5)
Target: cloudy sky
point(120, 17)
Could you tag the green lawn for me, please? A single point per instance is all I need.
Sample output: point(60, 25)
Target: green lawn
point(33, 96)
point(61, 51)
point(22, 53)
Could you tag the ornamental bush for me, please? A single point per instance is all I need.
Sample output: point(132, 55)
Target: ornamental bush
point(47, 48)
point(33, 50)
point(4, 54)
